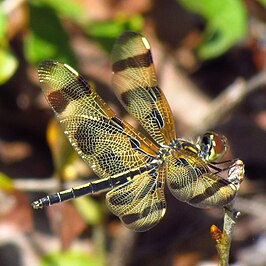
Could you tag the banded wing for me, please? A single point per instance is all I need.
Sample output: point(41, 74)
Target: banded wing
point(123, 158)
point(109, 145)
point(190, 180)
point(140, 203)
point(135, 80)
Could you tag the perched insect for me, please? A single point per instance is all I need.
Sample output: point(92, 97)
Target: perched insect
point(133, 168)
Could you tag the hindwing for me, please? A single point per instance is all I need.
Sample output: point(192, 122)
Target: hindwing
point(140, 203)
point(190, 180)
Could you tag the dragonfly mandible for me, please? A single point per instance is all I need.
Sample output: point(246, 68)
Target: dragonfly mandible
point(131, 167)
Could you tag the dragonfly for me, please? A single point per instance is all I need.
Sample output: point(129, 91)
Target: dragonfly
point(133, 169)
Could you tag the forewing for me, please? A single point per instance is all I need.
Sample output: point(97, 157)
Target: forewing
point(139, 203)
point(135, 81)
point(109, 145)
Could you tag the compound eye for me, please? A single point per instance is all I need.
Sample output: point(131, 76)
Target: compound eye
point(213, 146)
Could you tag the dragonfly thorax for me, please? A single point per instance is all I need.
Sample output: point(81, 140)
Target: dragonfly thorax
point(163, 153)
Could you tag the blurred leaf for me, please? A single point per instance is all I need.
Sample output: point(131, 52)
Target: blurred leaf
point(68, 164)
point(8, 62)
point(108, 29)
point(66, 222)
point(226, 24)
point(60, 147)
point(6, 183)
point(135, 23)
point(70, 8)
point(89, 209)
point(263, 2)
point(70, 258)
point(16, 211)
point(48, 38)
point(3, 24)
point(8, 65)
point(115, 28)
point(106, 32)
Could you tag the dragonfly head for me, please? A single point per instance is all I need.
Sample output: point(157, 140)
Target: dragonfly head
point(212, 146)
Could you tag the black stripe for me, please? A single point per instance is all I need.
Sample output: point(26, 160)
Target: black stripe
point(177, 185)
point(66, 195)
point(102, 185)
point(125, 98)
point(156, 118)
point(181, 162)
point(149, 94)
point(133, 217)
point(152, 185)
point(54, 198)
point(85, 190)
point(154, 93)
point(86, 88)
point(135, 144)
point(120, 180)
point(59, 99)
point(61, 196)
point(200, 170)
point(209, 192)
point(129, 175)
point(116, 122)
point(137, 61)
point(70, 194)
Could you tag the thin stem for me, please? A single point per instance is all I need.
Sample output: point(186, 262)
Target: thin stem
point(227, 101)
point(224, 239)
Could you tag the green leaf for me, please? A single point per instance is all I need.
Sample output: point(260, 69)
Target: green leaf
point(8, 65)
point(114, 28)
point(263, 2)
point(105, 29)
point(226, 24)
point(70, 258)
point(48, 39)
point(70, 9)
point(6, 183)
point(106, 32)
point(89, 209)
point(8, 62)
point(135, 23)
point(3, 24)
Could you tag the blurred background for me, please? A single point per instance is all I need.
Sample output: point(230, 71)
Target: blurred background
point(210, 60)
